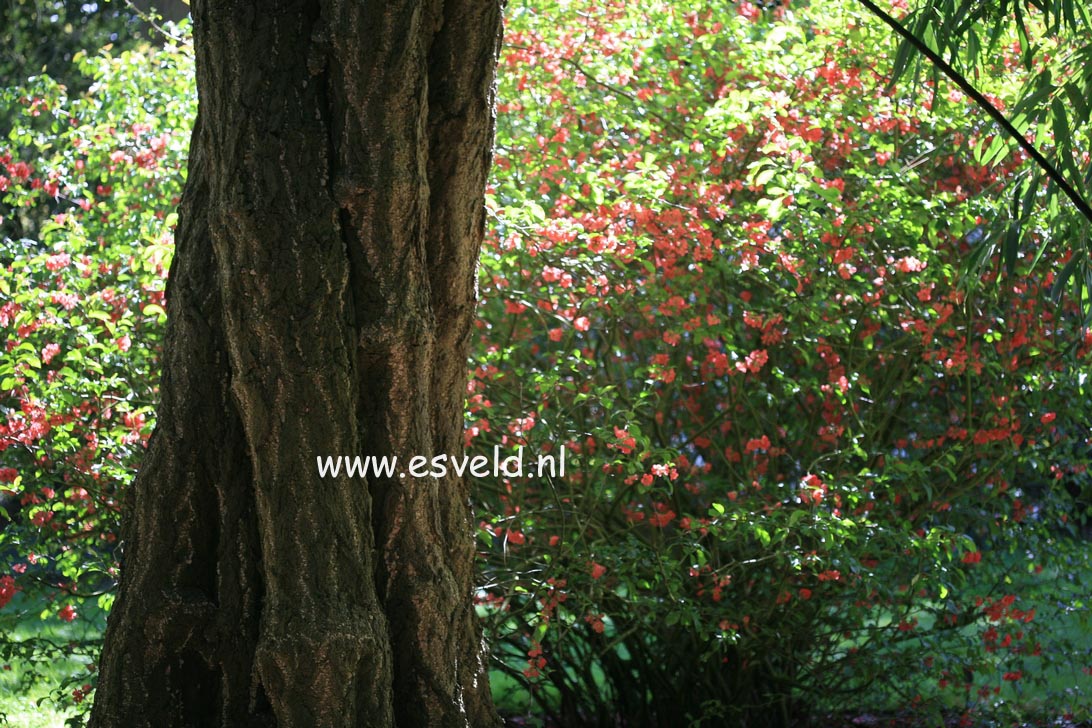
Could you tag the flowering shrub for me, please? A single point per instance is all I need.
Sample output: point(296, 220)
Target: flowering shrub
point(725, 273)
point(94, 179)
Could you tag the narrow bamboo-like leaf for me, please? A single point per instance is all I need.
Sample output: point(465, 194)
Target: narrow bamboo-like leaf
point(1063, 278)
point(1067, 14)
point(979, 258)
point(1016, 197)
point(1011, 246)
point(1062, 135)
point(1025, 41)
point(974, 48)
point(1077, 100)
point(997, 151)
point(902, 57)
point(1043, 245)
point(1029, 196)
point(1030, 104)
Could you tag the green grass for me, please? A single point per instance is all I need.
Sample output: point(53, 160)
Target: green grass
point(1056, 682)
point(22, 712)
point(24, 682)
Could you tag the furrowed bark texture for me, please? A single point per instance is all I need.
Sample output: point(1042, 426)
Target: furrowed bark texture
point(320, 303)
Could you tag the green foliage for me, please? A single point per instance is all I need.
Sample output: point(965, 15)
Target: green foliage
point(81, 316)
point(1049, 47)
point(45, 36)
point(810, 466)
point(725, 274)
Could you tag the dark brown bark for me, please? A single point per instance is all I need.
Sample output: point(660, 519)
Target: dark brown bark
point(320, 301)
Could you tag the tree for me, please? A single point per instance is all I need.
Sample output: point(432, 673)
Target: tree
point(319, 302)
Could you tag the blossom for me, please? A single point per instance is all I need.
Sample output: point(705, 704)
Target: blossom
point(909, 264)
point(754, 361)
point(660, 520)
point(7, 590)
point(58, 261)
point(757, 443)
point(49, 351)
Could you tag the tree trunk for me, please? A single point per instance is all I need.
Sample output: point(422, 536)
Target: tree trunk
point(320, 303)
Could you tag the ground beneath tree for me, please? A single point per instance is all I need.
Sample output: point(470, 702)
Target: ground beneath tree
point(905, 719)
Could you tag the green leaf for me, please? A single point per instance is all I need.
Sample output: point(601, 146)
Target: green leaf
point(1011, 247)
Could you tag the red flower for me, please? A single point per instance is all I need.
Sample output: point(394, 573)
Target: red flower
point(661, 519)
point(757, 443)
point(58, 261)
point(754, 361)
point(7, 590)
point(909, 264)
point(67, 613)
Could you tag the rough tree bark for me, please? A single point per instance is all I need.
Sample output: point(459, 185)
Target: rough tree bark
point(319, 302)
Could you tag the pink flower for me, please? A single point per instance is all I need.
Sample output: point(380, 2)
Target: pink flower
point(67, 613)
point(67, 301)
point(58, 261)
point(909, 264)
point(754, 361)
